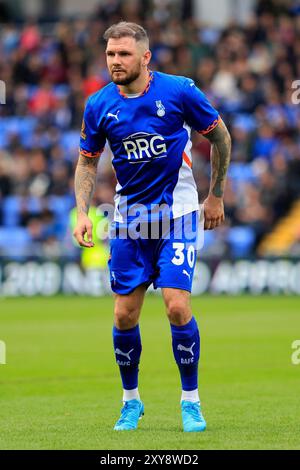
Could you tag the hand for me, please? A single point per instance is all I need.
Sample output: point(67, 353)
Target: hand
point(213, 212)
point(84, 226)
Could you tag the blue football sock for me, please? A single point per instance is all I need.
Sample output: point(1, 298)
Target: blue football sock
point(128, 348)
point(186, 349)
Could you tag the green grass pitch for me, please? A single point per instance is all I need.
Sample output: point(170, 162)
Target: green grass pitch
point(60, 388)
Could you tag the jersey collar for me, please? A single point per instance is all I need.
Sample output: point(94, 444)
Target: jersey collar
point(150, 79)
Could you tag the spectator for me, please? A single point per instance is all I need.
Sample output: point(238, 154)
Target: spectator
point(247, 72)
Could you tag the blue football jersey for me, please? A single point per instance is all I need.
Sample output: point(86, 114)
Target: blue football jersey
point(150, 139)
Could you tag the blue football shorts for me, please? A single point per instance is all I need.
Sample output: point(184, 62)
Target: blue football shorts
point(161, 253)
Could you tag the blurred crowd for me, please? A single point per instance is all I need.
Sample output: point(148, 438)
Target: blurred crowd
point(246, 71)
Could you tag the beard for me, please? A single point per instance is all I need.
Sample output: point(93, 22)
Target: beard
point(128, 78)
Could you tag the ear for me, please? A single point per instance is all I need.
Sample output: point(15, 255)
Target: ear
point(146, 58)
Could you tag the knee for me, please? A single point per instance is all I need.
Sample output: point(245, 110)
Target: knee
point(178, 312)
point(125, 318)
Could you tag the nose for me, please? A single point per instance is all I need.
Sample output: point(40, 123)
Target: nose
point(117, 60)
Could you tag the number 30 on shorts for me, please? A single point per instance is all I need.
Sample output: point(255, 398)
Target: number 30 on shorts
point(178, 258)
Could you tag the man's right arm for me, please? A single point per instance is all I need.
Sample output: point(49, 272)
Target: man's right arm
point(85, 182)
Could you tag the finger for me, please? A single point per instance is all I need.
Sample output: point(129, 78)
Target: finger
point(213, 224)
point(86, 244)
point(80, 240)
point(217, 222)
point(221, 220)
point(207, 224)
point(89, 231)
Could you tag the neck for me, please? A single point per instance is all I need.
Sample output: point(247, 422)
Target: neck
point(138, 85)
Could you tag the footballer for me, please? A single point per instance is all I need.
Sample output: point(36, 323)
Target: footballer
point(146, 117)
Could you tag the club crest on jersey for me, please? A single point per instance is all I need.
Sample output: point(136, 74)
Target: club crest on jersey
point(142, 147)
point(161, 110)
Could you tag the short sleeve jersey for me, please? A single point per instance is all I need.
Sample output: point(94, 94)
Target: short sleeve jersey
point(150, 139)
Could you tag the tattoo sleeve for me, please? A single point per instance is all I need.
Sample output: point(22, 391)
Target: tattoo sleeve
point(219, 158)
point(85, 182)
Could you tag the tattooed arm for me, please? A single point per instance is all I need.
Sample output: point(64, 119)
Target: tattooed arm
point(220, 158)
point(85, 182)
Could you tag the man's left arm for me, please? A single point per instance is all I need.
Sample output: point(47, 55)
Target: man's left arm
point(220, 157)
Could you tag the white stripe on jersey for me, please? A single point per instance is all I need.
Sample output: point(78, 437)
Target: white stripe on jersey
point(185, 195)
